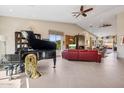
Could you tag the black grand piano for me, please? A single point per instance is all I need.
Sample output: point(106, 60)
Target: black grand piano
point(43, 49)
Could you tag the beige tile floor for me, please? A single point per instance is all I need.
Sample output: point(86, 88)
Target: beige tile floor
point(79, 74)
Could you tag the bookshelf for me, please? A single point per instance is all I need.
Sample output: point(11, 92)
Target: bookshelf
point(21, 43)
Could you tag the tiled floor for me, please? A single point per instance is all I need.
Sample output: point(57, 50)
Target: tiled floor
point(79, 74)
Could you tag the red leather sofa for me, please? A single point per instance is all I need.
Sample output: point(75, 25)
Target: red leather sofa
point(85, 55)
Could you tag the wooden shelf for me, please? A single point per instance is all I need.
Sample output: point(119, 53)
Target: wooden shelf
point(21, 43)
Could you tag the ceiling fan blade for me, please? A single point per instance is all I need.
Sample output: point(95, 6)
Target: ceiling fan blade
point(81, 8)
point(74, 15)
point(88, 10)
point(84, 14)
point(77, 15)
point(74, 12)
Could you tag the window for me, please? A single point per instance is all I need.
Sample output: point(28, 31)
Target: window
point(56, 37)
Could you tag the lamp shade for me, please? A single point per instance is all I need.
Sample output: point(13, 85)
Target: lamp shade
point(2, 38)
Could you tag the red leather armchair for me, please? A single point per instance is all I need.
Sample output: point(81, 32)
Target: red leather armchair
point(86, 55)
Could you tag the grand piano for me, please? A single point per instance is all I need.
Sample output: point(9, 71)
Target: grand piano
point(43, 49)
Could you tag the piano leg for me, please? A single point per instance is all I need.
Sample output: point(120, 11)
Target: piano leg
point(54, 60)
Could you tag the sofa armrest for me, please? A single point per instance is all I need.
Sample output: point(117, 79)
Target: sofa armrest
point(65, 54)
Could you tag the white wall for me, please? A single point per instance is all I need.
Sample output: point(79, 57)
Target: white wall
point(8, 25)
point(120, 32)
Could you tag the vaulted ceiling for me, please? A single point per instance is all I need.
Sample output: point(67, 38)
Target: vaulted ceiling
point(101, 14)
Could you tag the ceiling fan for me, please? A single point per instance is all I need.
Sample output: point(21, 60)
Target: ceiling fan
point(101, 26)
point(82, 12)
point(105, 25)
